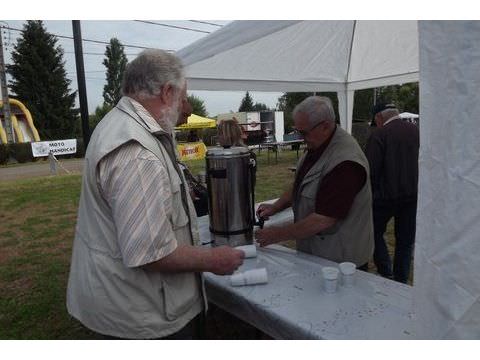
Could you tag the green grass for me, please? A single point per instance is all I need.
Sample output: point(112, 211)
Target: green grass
point(37, 222)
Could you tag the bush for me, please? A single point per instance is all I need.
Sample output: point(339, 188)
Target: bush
point(80, 149)
point(22, 152)
point(3, 154)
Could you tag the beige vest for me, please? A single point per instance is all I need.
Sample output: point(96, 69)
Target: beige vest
point(350, 239)
point(104, 294)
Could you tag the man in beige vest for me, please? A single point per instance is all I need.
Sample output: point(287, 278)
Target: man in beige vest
point(136, 264)
point(330, 197)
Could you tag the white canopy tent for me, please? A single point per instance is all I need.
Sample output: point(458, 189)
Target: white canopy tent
point(344, 56)
point(340, 56)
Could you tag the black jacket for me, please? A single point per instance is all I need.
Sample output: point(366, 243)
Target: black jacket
point(392, 153)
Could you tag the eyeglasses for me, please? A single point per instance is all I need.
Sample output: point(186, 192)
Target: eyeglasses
point(304, 133)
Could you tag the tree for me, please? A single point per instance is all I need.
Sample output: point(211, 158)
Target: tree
point(405, 96)
point(246, 103)
point(100, 112)
point(115, 61)
point(198, 105)
point(260, 107)
point(40, 81)
point(362, 105)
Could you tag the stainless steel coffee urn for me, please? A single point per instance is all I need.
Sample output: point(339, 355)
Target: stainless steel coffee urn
point(230, 183)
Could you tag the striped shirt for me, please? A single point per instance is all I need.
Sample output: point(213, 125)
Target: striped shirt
point(136, 185)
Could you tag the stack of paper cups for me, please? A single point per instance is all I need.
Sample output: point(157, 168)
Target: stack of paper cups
point(330, 275)
point(249, 277)
point(348, 270)
point(249, 250)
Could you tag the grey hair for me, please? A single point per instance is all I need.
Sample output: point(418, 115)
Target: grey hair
point(317, 108)
point(152, 69)
point(389, 113)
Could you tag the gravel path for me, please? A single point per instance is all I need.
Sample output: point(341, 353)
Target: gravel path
point(39, 168)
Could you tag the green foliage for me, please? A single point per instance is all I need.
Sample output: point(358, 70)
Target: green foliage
point(260, 107)
point(362, 105)
point(100, 112)
point(4, 154)
point(39, 80)
point(80, 148)
point(405, 96)
point(246, 103)
point(22, 152)
point(198, 106)
point(115, 61)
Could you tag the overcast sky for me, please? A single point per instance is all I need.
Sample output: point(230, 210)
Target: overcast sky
point(136, 34)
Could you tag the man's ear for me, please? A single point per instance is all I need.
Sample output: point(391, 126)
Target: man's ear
point(167, 94)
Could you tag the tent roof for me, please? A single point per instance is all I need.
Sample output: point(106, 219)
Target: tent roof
point(303, 56)
point(197, 122)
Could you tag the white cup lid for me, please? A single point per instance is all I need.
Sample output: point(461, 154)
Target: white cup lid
point(347, 268)
point(330, 273)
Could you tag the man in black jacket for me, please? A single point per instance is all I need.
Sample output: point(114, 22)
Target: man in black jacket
point(392, 152)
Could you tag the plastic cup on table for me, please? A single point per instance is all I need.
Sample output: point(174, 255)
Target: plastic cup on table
point(348, 270)
point(330, 276)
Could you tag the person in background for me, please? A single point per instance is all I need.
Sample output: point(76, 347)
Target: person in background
point(392, 151)
point(230, 133)
point(193, 136)
point(331, 195)
point(136, 269)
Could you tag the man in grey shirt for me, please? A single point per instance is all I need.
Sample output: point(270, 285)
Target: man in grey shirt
point(136, 267)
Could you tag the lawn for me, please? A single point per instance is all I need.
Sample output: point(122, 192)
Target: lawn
point(37, 222)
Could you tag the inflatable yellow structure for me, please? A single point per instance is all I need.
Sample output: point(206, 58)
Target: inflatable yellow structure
point(22, 122)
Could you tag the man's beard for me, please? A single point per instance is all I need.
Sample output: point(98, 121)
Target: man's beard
point(169, 116)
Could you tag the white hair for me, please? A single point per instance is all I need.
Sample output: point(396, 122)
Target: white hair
point(151, 70)
point(317, 109)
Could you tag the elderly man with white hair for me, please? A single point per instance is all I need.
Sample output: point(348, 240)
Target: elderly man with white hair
point(331, 196)
point(136, 267)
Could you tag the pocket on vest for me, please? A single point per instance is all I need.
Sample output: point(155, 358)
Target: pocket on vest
point(179, 295)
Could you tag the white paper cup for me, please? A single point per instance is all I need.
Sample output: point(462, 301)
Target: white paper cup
point(330, 276)
point(249, 250)
point(249, 277)
point(348, 271)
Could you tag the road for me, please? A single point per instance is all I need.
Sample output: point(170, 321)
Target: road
point(40, 168)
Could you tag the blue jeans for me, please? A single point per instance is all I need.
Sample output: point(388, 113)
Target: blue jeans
point(404, 214)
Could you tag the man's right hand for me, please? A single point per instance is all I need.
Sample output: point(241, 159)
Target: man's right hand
point(225, 260)
point(264, 211)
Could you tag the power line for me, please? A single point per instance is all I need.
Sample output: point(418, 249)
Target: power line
point(205, 22)
point(86, 40)
point(93, 53)
point(172, 26)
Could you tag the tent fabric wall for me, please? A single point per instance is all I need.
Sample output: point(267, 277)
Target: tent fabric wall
point(447, 260)
point(293, 56)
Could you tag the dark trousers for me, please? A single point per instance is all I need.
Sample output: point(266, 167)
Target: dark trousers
point(194, 330)
point(404, 214)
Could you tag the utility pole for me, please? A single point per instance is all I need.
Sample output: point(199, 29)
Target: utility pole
point(3, 85)
point(82, 89)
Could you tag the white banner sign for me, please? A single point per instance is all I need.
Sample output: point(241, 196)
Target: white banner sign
point(57, 147)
